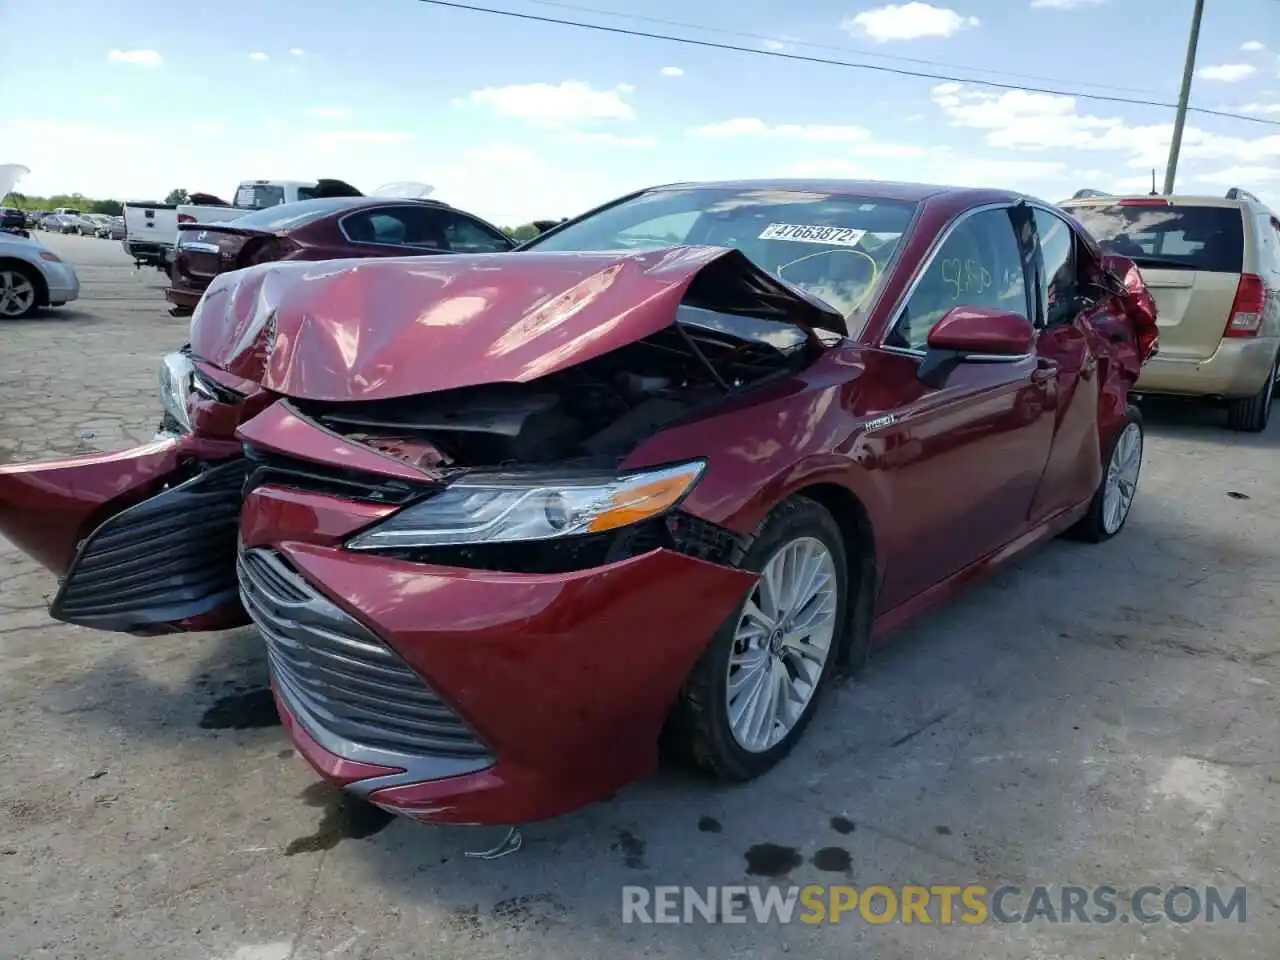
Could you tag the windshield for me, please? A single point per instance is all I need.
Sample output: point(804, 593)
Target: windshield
point(1169, 237)
point(288, 215)
point(833, 246)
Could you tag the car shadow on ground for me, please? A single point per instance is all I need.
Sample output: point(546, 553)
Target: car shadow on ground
point(1032, 699)
point(1203, 423)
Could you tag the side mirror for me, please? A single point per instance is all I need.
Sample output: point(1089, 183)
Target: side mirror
point(973, 334)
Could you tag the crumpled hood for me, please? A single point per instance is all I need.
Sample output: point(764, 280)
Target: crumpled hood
point(374, 329)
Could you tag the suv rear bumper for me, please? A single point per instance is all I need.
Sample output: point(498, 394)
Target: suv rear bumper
point(1238, 368)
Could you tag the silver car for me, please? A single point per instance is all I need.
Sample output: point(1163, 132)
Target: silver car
point(32, 276)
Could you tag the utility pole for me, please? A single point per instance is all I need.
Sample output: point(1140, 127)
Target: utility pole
point(1184, 95)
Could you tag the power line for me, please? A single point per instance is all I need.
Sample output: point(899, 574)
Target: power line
point(839, 48)
point(802, 58)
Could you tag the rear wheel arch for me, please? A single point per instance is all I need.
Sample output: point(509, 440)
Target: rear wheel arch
point(32, 273)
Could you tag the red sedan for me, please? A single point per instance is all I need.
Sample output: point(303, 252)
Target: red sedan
point(323, 229)
point(507, 522)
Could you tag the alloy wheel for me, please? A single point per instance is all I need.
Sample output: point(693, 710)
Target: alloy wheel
point(1122, 478)
point(781, 644)
point(17, 294)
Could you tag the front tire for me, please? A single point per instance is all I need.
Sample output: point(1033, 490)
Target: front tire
point(1109, 509)
point(1252, 414)
point(19, 292)
point(755, 688)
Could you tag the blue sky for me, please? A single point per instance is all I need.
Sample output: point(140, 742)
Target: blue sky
point(516, 120)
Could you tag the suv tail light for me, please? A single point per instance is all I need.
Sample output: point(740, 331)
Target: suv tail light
point(186, 218)
point(1248, 308)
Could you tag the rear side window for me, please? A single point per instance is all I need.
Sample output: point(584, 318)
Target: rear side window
point(1169, 237)
point(409, 226)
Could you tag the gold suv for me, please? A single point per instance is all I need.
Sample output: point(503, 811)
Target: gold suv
point(1213, 266)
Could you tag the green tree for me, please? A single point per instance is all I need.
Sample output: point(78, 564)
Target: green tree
point(526, 231)
point(176, 196)
point(112, 208)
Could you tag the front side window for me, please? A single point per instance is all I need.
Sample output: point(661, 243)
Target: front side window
point(979, 264)
point(833, 246)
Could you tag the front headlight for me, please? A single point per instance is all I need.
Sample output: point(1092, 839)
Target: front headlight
point(502, 508)
point(176, 373)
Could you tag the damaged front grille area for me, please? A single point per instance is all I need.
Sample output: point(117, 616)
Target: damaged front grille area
point(678, 531)
point(340, 679)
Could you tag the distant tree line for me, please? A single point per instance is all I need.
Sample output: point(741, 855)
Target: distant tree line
point(25, 201)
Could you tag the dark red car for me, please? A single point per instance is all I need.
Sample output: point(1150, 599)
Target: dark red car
point(507, 522)
point(323, 229)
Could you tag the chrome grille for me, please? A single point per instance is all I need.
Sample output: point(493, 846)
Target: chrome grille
point(335, 673)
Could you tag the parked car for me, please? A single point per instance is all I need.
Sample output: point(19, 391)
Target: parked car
point(1213, 265)
point(506, 521)
point(324, 229)
point(32, 276)
point(110, 228)
point(13, 221)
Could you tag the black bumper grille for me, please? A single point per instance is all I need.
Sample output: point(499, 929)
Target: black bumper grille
point(166, 559)
point(338, 675)
point(279, 470)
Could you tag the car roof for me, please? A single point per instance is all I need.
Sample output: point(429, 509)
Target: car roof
point(353, 202)
point(875, 189)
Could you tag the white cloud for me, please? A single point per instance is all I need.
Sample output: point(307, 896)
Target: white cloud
point(780, 44)
point(1235, 176)
point(1227, 72)
point(548, 104)
point(672, 72)
point(642, 141)
point(208, 128)
point(259, 56)
point(329, 138)
point(755, 127)
point(296, 51)
point(139, 58)
point(835, 168)
point(111, 100)
point(1253, 46)
point(329, 113)
point(1256, 108)
point(908, 21)
point(1036, 121)
point(1064, 4)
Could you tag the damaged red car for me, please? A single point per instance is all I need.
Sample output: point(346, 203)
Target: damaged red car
point(509, 522)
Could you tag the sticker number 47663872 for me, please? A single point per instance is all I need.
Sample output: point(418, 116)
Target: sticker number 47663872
point(802, 233)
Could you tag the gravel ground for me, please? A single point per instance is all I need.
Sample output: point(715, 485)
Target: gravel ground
point(1091, 715)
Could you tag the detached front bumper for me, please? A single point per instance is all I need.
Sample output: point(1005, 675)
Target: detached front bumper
point(468, 696)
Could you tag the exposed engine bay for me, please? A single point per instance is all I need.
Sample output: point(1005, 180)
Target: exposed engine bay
point(596, 411)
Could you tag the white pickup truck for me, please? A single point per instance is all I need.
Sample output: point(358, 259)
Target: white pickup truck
point(151, 229)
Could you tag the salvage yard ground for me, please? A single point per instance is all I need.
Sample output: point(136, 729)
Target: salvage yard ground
point(1092, 715)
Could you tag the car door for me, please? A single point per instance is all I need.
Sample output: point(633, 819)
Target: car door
point(966, 456)
point(1067, 343)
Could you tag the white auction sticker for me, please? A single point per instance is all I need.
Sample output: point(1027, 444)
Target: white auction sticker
point(802, 233)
